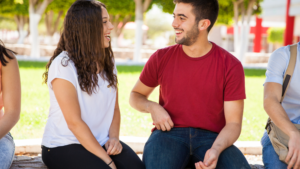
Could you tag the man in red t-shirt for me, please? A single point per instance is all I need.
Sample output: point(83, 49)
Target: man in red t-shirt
point(202, 92)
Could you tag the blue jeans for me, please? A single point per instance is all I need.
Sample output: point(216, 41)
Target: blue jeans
point(180, 146)
point(270, 158)
point(7, 151)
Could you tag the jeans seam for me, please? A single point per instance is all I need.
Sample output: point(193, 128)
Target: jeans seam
point(184, 163)
point(198, 157)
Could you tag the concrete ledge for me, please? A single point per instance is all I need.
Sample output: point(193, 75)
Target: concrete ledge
point(249, 147)
point(136, 143)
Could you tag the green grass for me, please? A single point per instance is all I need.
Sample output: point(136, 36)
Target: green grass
point(35, 104)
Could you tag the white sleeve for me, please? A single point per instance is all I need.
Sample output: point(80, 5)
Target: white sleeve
point(62, 69)
point(277, 65)
point(115, 70)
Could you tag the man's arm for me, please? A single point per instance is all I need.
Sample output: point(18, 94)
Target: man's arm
point(229, 134)
point(272, 97)
point(139, 100)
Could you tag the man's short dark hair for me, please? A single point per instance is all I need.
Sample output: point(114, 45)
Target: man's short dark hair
point(203, 9)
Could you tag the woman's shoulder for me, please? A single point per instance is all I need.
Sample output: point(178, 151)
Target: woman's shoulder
point(62, 59)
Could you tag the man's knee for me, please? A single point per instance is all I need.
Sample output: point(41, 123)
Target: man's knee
point(232, 158)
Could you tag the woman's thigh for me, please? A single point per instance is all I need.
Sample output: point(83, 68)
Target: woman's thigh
point(7, 150)
point(270, 158)
point(127, 159)
point(70, 157)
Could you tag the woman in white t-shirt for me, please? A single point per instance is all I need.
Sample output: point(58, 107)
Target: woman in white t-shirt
point(82, 130)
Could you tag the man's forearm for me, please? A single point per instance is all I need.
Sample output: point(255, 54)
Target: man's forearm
point(278, 115)
point(140, 102)
point(228, 135)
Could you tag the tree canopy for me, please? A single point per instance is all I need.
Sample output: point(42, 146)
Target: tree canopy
point(14, 7)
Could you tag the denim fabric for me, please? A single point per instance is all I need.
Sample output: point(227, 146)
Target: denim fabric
point(7, 151)
point(180, 146)
point(270, 158)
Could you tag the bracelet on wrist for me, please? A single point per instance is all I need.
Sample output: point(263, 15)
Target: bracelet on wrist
point(110, 162)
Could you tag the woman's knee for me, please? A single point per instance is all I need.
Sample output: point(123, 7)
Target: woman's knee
point(128, 159)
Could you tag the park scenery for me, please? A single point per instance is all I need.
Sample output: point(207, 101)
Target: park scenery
point(249, 29)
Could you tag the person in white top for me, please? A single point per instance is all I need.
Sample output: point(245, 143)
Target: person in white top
point(82, 130)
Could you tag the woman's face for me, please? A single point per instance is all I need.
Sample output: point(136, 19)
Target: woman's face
point(107, 27)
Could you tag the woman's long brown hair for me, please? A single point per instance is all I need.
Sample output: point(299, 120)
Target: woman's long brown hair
point(82, 37)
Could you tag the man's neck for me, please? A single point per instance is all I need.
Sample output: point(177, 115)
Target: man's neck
point(198, 49)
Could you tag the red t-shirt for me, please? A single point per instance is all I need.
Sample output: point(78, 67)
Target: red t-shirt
point(193, 90)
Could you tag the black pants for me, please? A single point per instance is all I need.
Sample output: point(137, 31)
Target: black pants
point(75, 156)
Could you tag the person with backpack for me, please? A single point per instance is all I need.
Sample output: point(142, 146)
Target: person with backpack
point(281, 141)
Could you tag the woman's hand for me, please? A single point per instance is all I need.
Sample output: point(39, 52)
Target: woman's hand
point(113, 146)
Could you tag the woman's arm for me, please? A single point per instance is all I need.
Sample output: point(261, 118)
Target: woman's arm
point(11, 94)
point(67, 99)
point(113, 145)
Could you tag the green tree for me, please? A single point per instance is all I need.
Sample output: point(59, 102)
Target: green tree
point(243, 11)
point(54, 13)
point(141, 6)
point(120, 13)
point(275, 35)
point(17, 9)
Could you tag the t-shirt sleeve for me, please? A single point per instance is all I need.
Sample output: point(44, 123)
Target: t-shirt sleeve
point(149, 75)
point(277, 65)
point(235, 84)
point(62, 69)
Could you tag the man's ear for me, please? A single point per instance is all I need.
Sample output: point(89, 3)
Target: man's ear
point(204, 24)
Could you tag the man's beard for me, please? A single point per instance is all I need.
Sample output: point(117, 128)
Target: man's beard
point(190, 38)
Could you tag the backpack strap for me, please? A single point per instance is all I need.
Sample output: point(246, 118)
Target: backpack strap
point(289, 71)
point(288, 76)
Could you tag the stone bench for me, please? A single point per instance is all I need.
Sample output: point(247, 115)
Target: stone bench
point(33, 146)
point(25, 162)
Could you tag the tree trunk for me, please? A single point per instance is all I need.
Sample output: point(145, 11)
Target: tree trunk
point(35, 47)
point(246, 32)
point(138, 30)
point(140, 7)
point(21, 21)
point(36, 9)
point(51, 25)
point(236, 26)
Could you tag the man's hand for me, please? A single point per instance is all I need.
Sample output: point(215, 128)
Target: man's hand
point(160, 117)
point(210, 160)
point(113, 146)
point(293, 157)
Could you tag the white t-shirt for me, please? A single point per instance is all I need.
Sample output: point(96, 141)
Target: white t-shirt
point(277, 66)
point(97, 109)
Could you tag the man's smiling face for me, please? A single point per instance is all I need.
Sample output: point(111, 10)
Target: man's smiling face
point(185, 25)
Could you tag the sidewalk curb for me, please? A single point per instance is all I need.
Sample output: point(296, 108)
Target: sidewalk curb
point(136, 143)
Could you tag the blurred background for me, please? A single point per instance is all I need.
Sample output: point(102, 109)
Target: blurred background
point(250, 29)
